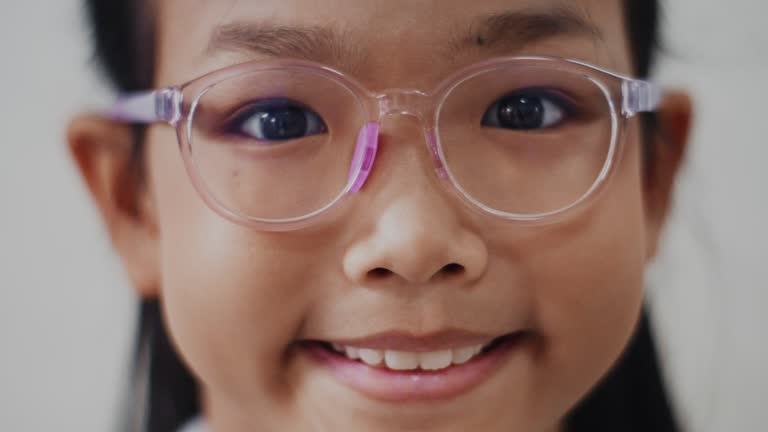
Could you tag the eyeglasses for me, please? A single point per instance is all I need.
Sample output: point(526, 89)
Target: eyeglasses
point(274, 145)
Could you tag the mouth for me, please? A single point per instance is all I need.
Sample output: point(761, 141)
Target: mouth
point(383, 369)
point(397, 360)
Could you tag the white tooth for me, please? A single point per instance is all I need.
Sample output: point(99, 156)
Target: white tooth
point(371, 357)
point(478, 348)
point(399, 360)
point(435, 360)
point(353, 353)
point(338, 348)
point(463, 355)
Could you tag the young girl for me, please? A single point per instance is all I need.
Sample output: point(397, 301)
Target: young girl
point(364, 215)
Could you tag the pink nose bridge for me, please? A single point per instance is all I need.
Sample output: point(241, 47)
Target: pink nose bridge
point(406, 102)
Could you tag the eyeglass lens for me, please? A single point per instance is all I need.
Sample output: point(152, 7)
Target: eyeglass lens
point(278, 144)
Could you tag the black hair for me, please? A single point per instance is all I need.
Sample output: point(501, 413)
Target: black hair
point(632, 396)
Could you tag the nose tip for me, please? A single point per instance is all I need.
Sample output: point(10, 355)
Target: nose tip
point(415, 260)
point(416, 248)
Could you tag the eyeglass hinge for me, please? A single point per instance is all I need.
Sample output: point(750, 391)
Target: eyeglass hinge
point(168, 105)
point(640, 96)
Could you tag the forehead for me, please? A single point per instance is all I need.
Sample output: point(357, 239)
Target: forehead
point(396, 38)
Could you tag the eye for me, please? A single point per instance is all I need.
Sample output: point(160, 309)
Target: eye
point(527, 110)
point(276, 120)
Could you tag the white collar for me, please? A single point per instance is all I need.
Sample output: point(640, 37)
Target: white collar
point(195, 425)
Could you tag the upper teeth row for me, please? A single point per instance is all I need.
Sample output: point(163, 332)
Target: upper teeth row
point(403, 360)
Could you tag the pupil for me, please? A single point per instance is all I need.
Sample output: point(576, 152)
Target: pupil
point(284, 123)
point(521, 112)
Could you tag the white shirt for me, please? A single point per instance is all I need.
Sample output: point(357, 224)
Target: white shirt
point(195, 425)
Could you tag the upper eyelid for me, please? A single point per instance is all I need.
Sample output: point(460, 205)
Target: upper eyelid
point(562, 100)
point(245, 111)
point(264, 104)
point(545, 92)
point(277, 101)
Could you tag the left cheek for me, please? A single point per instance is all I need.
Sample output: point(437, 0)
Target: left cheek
point(595, 296)
point(588, 307)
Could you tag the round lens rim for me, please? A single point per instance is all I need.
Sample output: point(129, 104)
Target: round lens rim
point(612, 156)
point(186, 142)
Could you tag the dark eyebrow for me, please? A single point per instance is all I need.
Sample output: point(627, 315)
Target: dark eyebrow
point(321, 44)
point(511, 31)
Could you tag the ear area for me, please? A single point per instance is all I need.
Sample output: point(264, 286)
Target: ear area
point(670, 144)
point(105, 153)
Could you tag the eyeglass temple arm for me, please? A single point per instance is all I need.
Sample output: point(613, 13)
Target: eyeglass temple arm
point(163, 105)
point(640, 96)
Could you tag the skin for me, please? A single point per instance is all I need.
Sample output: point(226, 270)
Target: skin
point(235, 298)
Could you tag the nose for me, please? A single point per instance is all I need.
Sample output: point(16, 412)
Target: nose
point(415, 245)
point(414, 232)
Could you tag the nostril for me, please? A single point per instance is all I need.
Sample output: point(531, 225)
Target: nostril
point(453, 269)
point(379, 273)
point(449, 271)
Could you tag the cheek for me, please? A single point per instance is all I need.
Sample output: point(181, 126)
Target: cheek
point(588, 285)
point(231, 296)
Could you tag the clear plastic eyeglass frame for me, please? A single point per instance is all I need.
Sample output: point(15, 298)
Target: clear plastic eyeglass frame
point(176, 106)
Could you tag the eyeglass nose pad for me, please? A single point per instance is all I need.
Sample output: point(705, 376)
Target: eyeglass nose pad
point(432, 142)
point(365, 154)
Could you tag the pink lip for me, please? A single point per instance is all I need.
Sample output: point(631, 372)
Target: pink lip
point(413, 386)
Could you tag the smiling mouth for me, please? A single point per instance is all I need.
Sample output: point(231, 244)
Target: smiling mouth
point(397, 360)
point(400, 368)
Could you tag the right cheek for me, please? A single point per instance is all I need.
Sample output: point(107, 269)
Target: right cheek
point(230, 312)
point(205, 309)
point(213, 326)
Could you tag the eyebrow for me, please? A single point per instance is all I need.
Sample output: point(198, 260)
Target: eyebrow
point(506, 31)
point(512, 31)
point(321, 44)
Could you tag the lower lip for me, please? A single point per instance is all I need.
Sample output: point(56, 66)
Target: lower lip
point(413, 386)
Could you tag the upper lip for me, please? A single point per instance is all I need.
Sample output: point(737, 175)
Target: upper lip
point(398, 340)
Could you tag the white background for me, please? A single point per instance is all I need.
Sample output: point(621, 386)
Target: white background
point(67, 314)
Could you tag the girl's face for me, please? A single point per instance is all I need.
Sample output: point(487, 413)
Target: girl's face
point(405, 266)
